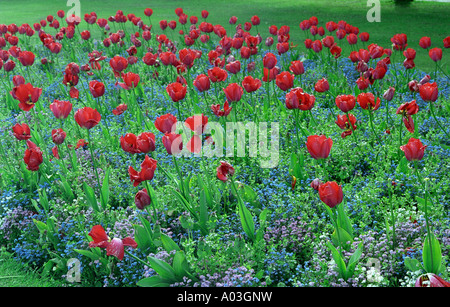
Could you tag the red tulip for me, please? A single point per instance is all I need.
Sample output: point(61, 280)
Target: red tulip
point(345, 103)
point(352, 39)
point(146, 142)
point(173, 143)
point(176, 91)
point(58, 136)
point(367, 101)
point(255, 20)
point(224, 171)
point(435, 54)
point(218, 112)
point(217, 74)
point(297, 68)
point(197, 123)
point(131, 80)
point(118, 64)
point(114, 247)
point(364, 36)
point(400, 41)
point(33, 156)
point(425, 42)
point(27, 95)
point(336, 51)
point(322, 85)
point(128, 142)
point(343, 123)
point(389, 93)
point(142, 199)
point(21, 131)
point(120, 109)
point(284, 80)
point(97, 88)
point(429, 91)
point(148, 12)
point(148, 167)
point(410, 54)
point(414, 150)
point(165, 123)
point(202, 83)
point(446, 42)
point(297, 99)
point(87, 117)
point(85, 34)
point(331, 194)
point(251, 84)
point(431, 280)
point(26, 58)
point(233, 92)
point(60, 108)
point(319, 147)
point(269, 60)
point(233, 67)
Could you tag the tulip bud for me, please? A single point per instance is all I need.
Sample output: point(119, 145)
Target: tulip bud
point(389, 93)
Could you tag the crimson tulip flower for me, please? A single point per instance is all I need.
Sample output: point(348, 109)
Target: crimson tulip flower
point(224, 171)
point(202, 83)
point(120, 109)
point(233, 67)
point(97, 88)
point(270, 74)
point(322, 85)
point(142, 199)
point(26, 58)
point(297, 99)
point(146, 142)
point(218, 112)
point(406, 110)
point(114, 247)
point(414, 150)
point(118, 64)
point(176, 91)
point(410, 53)
point(400, 41)
point(197, 123)
point(431, 280)
point(58, 136)
point(367, 101)
point(319, 146)
point(148, 167)
point(128, 142)
point(165, 123)
point(446, 42)
point(345, 103)
point(429, 91)
point(251, 84)
point(331, 194)
point(435, 54)
point(425, 42)
point(21, 131)
point(269, 60)
point(233, 92)
point(173, 143)
point(217, 74)
point(297, 68)
point(87, 117)
point(33, 156)
point(27, 95)
point(61, 108)
point(284, 80)
point(389, 93)
point(131, 80)
point(343, 123)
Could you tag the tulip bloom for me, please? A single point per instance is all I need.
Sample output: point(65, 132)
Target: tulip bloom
point(432, 281)
point(202, 83)
point(429, 91)
point(343, 123)
point(269, 60)
point(33, 156)
point(148, 167)
point(345, 103)
point(61, 109)
point(251, 84)
point(165, 123)
point(435, 54)
point(224, 171)
point(146, 142)
point(233, 92)
point(120, 109)
point(87, 117)
point(118, 64)
point(21, 131)
point(97, 88)
point(425, 42)
point(176, 91)
point(297, 68)
point(218, 112)
point(131, 80)
point(319, 147)
point(284, 80)
point(128, 142)
point(142, 199)
point(197, 123)
point(27, 95)
point(217, 74)
point(26, 58)
point(367, 101)
point(58, 136)
point(173, 143)
point(114, 247)
point(297, 99)
point(322, 85)
point(331, 194)
point(414, 149)
point(406, 110)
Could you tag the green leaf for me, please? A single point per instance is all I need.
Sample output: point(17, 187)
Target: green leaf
point(338, 259)
point(353, 261)
point(262, 224)
point(203, 214)
point(168, 244)
point(180, 265)
point(154, 281)
point(162, 268)
point(40, 225)
point(142, 238)
point(343, 221)
point(104, 194)
point(412, 264)
point(431, 254)
point(344, 237)
point(88, 254)
point(90, 197)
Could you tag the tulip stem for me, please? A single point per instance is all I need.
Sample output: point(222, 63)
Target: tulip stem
point(438, 122)
point(93, 160)
point(400, 137)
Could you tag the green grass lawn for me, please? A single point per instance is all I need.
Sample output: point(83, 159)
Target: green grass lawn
point(417, 20)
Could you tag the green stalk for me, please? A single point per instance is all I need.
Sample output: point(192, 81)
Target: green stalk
point(93, 160)
point(438, 122)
